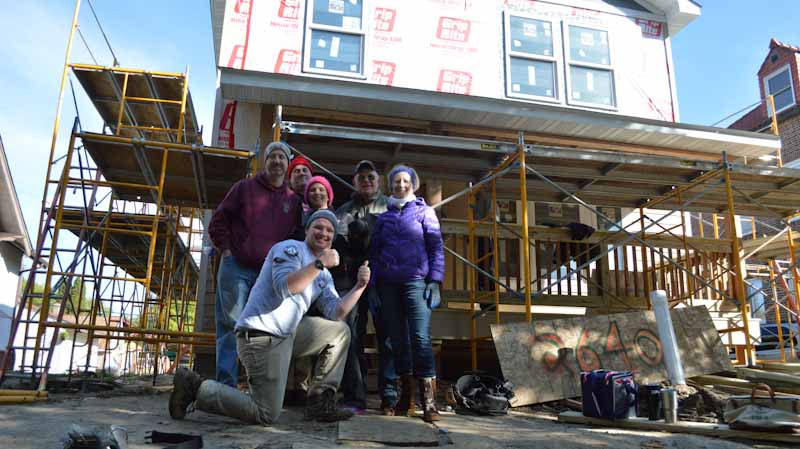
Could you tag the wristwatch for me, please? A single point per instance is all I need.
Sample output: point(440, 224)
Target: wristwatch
point(319, 265)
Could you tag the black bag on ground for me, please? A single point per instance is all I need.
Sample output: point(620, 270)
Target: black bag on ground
point(609, 394)
point(486, 395)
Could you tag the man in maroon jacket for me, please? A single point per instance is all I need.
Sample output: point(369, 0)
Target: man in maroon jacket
point(257, 213)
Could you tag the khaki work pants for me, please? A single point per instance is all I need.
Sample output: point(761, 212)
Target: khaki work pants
point(266, 360)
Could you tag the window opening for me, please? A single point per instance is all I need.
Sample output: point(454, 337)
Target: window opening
point(530, 52)
point(335, 38)
point(779, 85)
point(590, 73)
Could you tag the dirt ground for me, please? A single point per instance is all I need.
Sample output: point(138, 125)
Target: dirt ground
point(143, 408)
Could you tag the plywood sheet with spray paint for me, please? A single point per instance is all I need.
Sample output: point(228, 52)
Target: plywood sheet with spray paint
point(544, 359)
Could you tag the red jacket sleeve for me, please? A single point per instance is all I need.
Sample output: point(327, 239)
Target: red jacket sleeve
point(219, 229)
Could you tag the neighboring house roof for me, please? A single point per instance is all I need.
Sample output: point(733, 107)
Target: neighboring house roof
point(757, 118)
point(773, 44)
point(754, 120)
point(12, 223)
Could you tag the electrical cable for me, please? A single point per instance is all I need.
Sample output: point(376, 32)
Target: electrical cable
point(737, 112)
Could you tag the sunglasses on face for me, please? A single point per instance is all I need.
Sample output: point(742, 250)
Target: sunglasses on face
point(370, 177)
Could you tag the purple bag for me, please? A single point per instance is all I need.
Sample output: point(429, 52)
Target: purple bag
point(609, 394)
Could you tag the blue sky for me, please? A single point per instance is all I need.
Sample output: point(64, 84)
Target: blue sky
point(716, 58)
point(154, 35)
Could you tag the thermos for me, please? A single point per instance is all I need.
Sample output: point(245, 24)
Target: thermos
point(652, 396)
point(669, 405)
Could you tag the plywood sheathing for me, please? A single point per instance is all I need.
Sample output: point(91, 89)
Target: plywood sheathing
point(99, 85)
point(529, 352)
point(118, 163)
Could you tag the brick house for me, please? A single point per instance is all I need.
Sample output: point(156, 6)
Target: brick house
point(778, 76)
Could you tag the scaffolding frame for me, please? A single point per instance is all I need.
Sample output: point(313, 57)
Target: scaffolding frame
point(162, 284)
point(164, 293)
point(133, 244)
point(734, 293)
point(691, 269)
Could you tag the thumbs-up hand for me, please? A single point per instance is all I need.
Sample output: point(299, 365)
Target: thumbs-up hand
point(363, 274)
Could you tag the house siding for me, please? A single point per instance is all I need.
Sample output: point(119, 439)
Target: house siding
point(458, 48)
point(10, 265)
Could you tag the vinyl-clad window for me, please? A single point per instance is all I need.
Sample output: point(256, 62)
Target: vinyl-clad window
point(334, 38)
point(530, 52)
point(590, 73)
point(779, 85)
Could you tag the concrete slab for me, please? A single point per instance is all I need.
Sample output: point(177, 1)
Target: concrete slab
point(44, 425)
point(388, 430)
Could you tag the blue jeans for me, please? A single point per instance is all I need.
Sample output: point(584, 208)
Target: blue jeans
point(354, 382)
point(234, 282)
point(387, 374)
point(408, 317)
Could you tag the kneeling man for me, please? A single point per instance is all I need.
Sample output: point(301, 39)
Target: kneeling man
point(273, 329)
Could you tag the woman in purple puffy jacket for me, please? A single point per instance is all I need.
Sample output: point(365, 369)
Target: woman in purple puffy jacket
point(407, 262)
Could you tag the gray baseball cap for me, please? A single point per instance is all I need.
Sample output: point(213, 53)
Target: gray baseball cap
point(365, 165)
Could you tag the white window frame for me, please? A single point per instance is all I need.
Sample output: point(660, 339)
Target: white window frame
point(555, 58)
point(786, 68)
point(307, 41)
point(568, 63)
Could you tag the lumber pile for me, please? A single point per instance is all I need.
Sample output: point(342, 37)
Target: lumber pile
point(714, 389)
point(707, 429)
point(781, 380)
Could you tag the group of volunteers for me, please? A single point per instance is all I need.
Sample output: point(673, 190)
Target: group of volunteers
point(295, 285)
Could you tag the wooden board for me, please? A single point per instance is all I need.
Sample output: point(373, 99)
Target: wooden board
point(772, 378)
point(707, 429)
point(743, 385)
point(544, 359)
point(388, 430)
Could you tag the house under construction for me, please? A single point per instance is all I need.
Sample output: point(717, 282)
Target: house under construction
point(521, 118)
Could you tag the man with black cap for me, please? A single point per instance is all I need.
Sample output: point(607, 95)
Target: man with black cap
point(257, 212)
point(274, 328)
point(359, 216)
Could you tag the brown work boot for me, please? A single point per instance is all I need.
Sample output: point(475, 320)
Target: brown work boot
point(322, 407)
point(427, 388)
point(387, 409)
point(185, 384)
point(405, 405)
point(388, 404)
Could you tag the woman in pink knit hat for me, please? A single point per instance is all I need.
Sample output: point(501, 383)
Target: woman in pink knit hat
point(319, 194)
